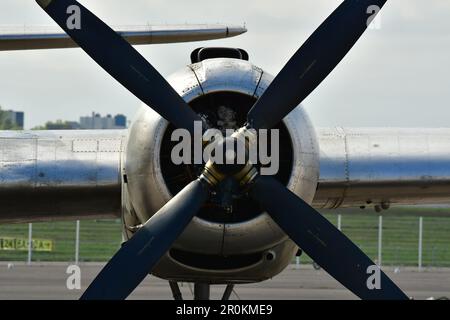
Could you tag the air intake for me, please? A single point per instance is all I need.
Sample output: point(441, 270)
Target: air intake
point(201, 54)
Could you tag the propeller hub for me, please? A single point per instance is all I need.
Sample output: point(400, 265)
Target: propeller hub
point(235, 155)
point(235, 160)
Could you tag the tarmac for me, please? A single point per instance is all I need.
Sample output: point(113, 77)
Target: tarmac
point(47, 281)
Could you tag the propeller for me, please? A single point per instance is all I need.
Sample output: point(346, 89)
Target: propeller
point(321, 240)
point(131, 264)
point(117, 57)
point(312, 63)
point(309, 66)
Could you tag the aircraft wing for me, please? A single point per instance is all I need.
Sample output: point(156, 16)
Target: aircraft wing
point(60, 175)
point(375, 166)
point(76, 173)
point(26, 38)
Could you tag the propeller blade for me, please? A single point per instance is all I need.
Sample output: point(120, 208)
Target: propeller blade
point(312, 63)
point(137, 257)
point(324, 243)
point(117, 57)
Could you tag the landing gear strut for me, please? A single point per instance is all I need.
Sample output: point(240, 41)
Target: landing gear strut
point(201, 291)
point(175, 290)
point(228, 291)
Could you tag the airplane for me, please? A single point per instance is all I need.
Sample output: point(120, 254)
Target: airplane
point(219, 223)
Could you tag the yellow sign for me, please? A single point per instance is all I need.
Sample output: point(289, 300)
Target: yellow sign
point(18, 244)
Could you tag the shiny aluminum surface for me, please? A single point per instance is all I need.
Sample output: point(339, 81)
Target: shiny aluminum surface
point(361, 166)
point(59, 174)
point(25, 38)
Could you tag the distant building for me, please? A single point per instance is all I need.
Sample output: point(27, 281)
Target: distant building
point(96, 121)
point(14, 118)
point(120, 121)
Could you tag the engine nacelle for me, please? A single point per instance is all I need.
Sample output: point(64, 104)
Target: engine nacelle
point(245, 245)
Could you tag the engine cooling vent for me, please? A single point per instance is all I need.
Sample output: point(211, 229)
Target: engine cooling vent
point(215, 262)
point(201, 54)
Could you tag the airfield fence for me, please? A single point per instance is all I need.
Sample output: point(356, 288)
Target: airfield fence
point(391, 240)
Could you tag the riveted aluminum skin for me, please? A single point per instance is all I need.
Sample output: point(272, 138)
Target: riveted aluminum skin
point(389, 166)
point(60, 174)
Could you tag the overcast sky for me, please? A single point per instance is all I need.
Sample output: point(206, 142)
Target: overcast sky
point(396, 76)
